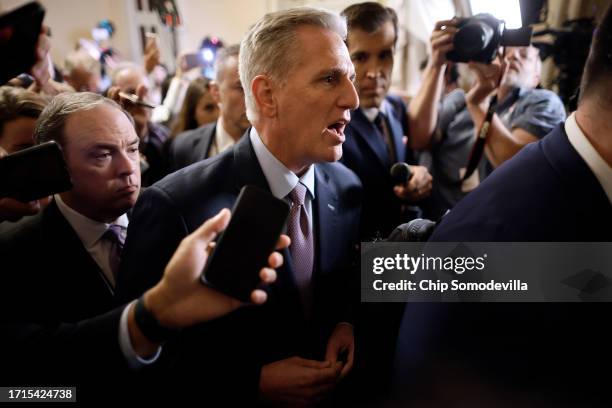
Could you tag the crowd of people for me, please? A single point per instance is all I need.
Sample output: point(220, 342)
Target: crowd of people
point(102, 285)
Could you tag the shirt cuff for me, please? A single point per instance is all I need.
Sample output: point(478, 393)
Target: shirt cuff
point(133, 360)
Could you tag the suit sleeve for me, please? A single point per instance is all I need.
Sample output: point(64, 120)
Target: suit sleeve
point(155, 231)
point(38, 351)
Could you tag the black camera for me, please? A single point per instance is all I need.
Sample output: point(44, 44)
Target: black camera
point(480, 36)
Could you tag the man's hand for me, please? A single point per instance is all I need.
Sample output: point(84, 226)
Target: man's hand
point(140, 113)
point(488, 77)
point(341, 341)
point(40, 70)
point(297, 382)
point(181, 300)
point(441, 42)
point(151, 54)
point(418, 187)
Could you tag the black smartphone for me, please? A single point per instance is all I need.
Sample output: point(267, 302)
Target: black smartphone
point(34, 173)
point(19, 31)
point(258, 219)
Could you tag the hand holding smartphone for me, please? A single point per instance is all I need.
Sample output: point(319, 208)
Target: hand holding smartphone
point(258, 219)
point(34, 173)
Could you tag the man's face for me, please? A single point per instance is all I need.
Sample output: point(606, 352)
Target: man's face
point(128, 81)
point(17, 134)
point(84, 81)
point(231, 97)
point(523, 67)
point(101, 150)
point(372, 55)
point(315, 103)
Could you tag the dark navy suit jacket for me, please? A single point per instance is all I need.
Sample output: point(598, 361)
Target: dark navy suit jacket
point(57, 316)
point(229, 352)
point(191, 146)
point(365, 152)
point(545, 193)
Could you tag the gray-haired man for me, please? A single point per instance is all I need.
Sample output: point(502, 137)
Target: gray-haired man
point(297, 77)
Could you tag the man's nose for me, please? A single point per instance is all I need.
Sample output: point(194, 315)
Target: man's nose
point(349, 99)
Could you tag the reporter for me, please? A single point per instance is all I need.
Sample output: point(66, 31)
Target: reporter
point(80, 353)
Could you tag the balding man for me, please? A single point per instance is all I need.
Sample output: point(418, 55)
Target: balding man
point(209, 140)
point(131, 79)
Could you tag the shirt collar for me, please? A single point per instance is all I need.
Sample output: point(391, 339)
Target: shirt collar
point(372, 113)
point(280, 179)
point(599, 167)
point(89, 231)
point(223, 140)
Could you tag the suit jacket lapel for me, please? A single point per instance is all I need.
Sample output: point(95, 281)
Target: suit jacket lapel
point(397, 134)
point(63, 241)
point(325, 208)
point(366, 130)
point(248, 172)
point(206, 141)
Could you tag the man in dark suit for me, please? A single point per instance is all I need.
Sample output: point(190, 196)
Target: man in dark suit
point(376, 137)
point(209, 140)
point(557, 189)
point(60, 324)
point(375, 140)
point(297, 77)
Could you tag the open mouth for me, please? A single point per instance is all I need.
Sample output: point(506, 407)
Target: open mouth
point(337, 128)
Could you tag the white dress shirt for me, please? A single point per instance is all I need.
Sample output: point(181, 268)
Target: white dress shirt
point(280, 179)
point(222, 140)
point(599, 167)
point(90, 233)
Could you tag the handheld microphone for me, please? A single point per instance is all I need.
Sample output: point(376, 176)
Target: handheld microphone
point(401, 173)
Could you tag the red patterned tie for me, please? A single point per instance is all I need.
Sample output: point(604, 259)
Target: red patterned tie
point(302, 252)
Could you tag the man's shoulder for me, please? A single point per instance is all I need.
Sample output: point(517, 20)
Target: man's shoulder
point(199, 178)
point(508, 204)
point(193, 136)
point(539, 96)
point(340, 176)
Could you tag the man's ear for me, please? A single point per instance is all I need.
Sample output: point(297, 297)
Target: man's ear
point(263, 91)
point(214, 91)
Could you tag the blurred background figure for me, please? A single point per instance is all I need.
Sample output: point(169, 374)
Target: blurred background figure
point(19, 109)
point(199, 107)
point(82, 72)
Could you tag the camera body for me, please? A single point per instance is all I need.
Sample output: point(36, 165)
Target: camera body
point(479, 37)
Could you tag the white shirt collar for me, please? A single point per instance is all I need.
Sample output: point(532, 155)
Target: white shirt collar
point(371, 113)
point(223, 140)
point(281, 180)
point(599, 167)
point(89, 231)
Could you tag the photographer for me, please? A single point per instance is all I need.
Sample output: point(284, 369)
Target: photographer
point(523, 115)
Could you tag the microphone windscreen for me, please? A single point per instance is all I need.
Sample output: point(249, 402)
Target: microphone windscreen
point(400, 173)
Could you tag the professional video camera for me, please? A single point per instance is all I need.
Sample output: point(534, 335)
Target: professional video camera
point(480, 36)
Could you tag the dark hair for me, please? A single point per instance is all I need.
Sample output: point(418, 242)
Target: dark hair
point(18, 102)
point(598, 67)
point(369, 17)
point(186, 119)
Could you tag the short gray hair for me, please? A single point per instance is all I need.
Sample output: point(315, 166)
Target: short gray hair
point(52, 120)
point(222, 57)
point(269, 46)
point(80, 58)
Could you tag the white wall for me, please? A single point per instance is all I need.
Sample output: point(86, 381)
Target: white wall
point(70, 20)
